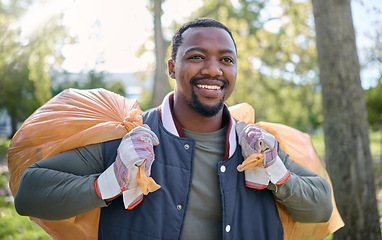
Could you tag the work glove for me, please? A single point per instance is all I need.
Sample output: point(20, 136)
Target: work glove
point(262, 164)
point(130, 172)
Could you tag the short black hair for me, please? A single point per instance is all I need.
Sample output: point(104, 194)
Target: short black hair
point(199, 22)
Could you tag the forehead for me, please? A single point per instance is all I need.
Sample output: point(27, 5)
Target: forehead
point(207, 38)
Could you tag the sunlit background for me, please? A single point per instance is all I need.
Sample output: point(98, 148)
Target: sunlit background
point(51, 45)
point(109, 33)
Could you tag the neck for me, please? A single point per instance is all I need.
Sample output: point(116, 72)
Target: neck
point(195, 122)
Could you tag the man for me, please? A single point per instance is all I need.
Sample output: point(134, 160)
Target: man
point(191, 146)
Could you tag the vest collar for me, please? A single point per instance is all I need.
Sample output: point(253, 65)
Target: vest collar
point(172, 125)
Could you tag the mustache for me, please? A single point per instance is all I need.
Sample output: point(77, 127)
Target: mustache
point(196, 79)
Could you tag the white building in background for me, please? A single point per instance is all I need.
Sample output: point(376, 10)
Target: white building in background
point(5, 124)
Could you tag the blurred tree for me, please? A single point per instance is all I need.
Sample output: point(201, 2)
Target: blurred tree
point(117, 87)
point(161, 81)
point(94, 80)
point(24, 61)
point(374, 106)
point(62, 81)
point(345, 121)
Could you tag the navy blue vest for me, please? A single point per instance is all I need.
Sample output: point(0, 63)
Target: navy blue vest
point(250, 213)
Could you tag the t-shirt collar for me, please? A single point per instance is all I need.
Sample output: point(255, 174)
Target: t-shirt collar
point(172, 125)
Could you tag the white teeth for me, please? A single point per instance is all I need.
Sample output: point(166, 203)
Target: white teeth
point(209, 87)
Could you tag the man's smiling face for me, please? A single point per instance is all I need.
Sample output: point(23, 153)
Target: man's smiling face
point(205, 70)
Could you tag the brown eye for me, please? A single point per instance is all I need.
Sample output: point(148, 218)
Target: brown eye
point(227, 60)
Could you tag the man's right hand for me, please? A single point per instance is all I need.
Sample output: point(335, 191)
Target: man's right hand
point(136, 149)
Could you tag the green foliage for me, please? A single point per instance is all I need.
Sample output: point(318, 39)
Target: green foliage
point(318, 142)
point(24, 79)
point(145, 100)
point(117, 87)
point(16, 91)
point(4, 179)
point(95, 80)
point(374, 106)
point(376, 144)
point(374, 110)
point(4, 144)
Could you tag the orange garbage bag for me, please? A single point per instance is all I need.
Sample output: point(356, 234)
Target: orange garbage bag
point(300, 149)
point(76, 118)
point(73, 118)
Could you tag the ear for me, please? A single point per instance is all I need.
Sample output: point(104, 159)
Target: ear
point(171, 68)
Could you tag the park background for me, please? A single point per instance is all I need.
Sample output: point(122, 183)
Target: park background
point(122, 45)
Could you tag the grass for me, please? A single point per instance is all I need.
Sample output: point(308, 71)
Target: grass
point(374, 137)
point(376, 143)
point(12, 225)
point(318, 143)
point(15, 227)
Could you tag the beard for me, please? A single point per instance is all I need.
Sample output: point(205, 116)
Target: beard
point(203, 109)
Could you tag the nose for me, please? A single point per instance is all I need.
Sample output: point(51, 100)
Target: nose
point(212, 68)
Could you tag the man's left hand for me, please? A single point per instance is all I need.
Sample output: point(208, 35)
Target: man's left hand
point(258, 143)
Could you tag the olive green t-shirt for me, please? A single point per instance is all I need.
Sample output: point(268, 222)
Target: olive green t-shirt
point(204, 211)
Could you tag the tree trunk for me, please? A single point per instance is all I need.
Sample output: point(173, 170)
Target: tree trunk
point(161, 84)
point(345, 121)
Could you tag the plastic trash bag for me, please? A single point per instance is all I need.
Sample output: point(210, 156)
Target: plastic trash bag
point(73, 118)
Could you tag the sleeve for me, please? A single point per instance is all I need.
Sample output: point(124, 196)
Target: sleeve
point(61, 186)
point(305, 195)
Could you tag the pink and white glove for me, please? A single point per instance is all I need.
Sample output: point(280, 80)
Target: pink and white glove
point(136, 149)
point(256, 143)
